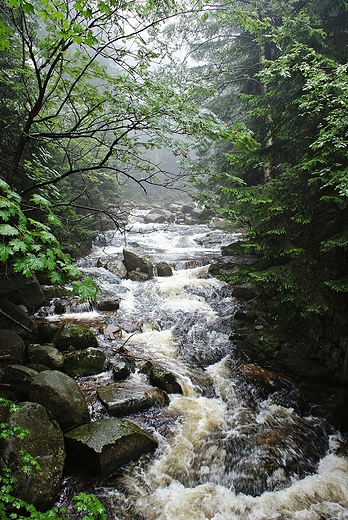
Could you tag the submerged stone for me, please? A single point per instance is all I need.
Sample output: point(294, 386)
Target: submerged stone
point(107, 444)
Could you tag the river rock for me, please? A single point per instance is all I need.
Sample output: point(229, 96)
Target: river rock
point(12, 348)
point(162, 378)
point(19, 379)
point(105, 445)
point(46, 331)
point(126, 397)
point(134, 262)
point(108, 305)
point(14, 317)
point(22, 290)
point(245, 291)
point(47, 355)
point(45, 443)
point(84, 362)
point(121, 370)
point(76, 336)
point(154, 218)
point(164, 269)
point(226, 265)
point(61, 395)
point(116, 267)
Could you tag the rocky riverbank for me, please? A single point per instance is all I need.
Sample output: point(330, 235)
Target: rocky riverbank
point(45, 366)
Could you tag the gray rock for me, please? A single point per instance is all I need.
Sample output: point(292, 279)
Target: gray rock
point(227, 264)
point(126, 398)
point(46, 331)
point(14, 318)
point(12, 347)
point(46, 355)
point(19, 379)
point(22, 290)
point(61, 395)
point(162, 378)
point(45, 443)
point(245, 291)
point(154, 218)
point(116, 267)
point(76, 336)
point(164, 269)
point(134, 262)
point(108, 305)
point(138, 276)
point(121, 370)
point(84, 362)
point(105, 445)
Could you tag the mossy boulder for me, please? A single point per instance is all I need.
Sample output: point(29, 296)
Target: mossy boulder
point(84, 362)
point(45, 443)
point(105, 445)
point(75, 336)
point(61, 395)
point(12, 347)
point(46, 355)
point(19, 379)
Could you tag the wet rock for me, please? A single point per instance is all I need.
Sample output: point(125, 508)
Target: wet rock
point(108, 305)
point(76, 336)
point(245, 291)
point(19, 379)
point(61, 395)
point(188, 208)
point(116, 267)
point(154, 218)
point(226, 265)
point(46, 355)
point(235, 248)
point(46, 332)
point(15, 318)
point(85, 362)
point(45, 443)
point(106, 445)
point(126, 397)
point(138, 276)
point(12, 348)
point(121, 370)
point(134, 262)
point(22, 290)
point(164, 269)
point(162, 378)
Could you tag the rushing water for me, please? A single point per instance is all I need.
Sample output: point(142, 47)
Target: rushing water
point(226, 451)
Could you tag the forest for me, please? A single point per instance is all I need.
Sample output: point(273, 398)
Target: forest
point(240, 104)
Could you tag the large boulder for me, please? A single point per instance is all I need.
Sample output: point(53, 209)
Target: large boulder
point(124, 398)
point(45, 443)
point(154, 218)
point(105, 445)
point(75, 336)
point(19, 378)
point(46, 355)
point(61, 395)
point(12, 347)
point(84, 362)
point(22, 290)
point(16, 318)
point(135, 262)
point(108, 305)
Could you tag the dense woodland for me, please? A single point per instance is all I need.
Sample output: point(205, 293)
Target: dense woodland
point(254, 111)
point(248, 98)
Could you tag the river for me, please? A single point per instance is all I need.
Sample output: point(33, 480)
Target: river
point(226, 452)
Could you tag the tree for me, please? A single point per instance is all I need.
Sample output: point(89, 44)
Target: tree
point(82, 102)
point(289, 109)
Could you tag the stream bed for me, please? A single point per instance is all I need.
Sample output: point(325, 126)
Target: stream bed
point(226, 452)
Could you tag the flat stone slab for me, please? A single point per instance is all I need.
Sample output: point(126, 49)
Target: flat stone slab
point(105, 445)
point(125, 397)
